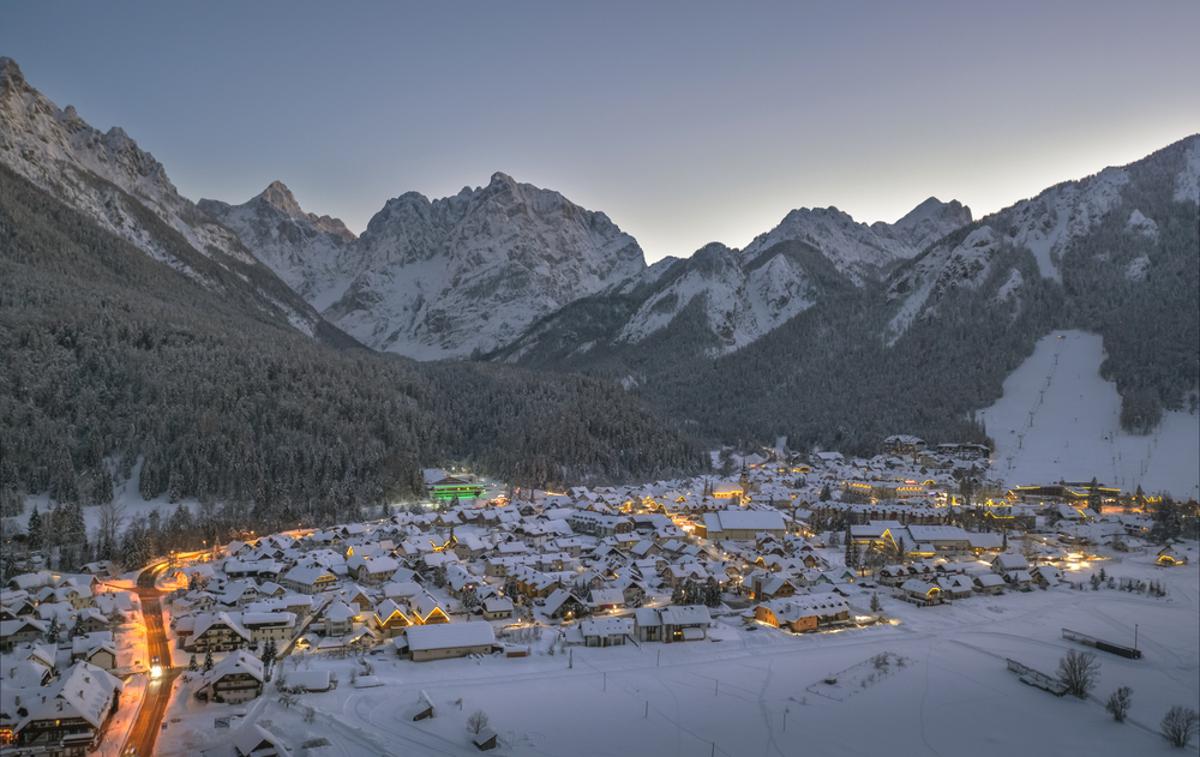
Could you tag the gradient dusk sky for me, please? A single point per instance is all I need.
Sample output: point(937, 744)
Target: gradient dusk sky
point(686, 122)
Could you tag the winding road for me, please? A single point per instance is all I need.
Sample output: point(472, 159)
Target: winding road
point(146, 727)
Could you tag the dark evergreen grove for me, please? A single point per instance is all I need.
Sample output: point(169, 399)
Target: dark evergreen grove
point(110, 358)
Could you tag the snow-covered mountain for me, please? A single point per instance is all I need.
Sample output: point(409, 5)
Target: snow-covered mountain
point(742, 295)
point(126, 191)
point(859, 251)
point(742, 298)
point(1048, 226)
point(307, 251)
point(449, 277)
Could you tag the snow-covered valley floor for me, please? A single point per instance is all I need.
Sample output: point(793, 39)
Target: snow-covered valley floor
point(1059, 420)
point(952, 696)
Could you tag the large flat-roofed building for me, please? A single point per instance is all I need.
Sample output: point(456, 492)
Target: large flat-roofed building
point(451, 487)
point(743, 525)
point(446, 640)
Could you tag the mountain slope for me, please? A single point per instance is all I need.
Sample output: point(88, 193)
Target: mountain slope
point(925, 348)
point(111, 357)
point(305, 250)
point(126, 191)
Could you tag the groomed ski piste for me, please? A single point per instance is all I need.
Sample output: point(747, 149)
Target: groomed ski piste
point(1060, 420)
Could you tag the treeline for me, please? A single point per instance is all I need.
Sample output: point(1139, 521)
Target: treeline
point(111, 359)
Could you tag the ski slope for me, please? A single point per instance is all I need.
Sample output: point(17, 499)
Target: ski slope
point(1059, 420)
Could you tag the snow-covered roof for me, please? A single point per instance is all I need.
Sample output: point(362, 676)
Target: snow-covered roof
point(450, 635)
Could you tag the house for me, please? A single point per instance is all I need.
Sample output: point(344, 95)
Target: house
point(373, 570)
point(217, 633)
point(956, 586)
point(600, 600)
point(69, 718)
point(1046, 576)
point(308, 579)
point(339, 618)
point(684, 622)
point(252, 740)
point(235, 679)
point(1006, 562)
point(445, 640)
point(99, 649)
point(1018, 579)
point(599, 524)
point(20, 631)
point(562, 604)
point(485, 739)
point(920, 592)
point(764, 586)
point(1169, 557)
point(272, 626)
point(989, 583)
point(390, 619)
point(647, 624)
point(940, 538)
point(805, 612)
point(497, 608)
point(606, 632)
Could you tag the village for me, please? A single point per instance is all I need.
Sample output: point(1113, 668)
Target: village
point(295, 642)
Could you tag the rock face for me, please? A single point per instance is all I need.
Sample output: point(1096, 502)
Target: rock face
point(449, 277)
point(307, 251)
point(126, 191)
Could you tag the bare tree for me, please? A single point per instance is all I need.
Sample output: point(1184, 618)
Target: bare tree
point(112, 515)
point(477, 721)
point(1119, 702)
point(1079, 672)
point(1178, 725)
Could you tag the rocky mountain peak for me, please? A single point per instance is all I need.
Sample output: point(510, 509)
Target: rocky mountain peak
point(10, 73)
point(928, 222)
point(278, 196)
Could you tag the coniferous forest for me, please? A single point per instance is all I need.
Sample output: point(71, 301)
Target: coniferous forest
point(115, 364)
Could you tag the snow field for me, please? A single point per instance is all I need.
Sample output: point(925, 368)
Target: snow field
point(1060, 420)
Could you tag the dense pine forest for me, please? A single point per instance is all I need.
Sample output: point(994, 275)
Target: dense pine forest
point(115, 363)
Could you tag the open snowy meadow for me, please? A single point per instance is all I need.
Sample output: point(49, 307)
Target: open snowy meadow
point(944, 690)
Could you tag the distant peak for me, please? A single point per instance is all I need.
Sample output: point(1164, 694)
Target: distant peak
point(932, 207)
point(10, 71)
point(279, 196)
point(502, 178)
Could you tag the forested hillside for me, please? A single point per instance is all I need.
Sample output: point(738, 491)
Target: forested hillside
point(923, 350)
point(110, 357)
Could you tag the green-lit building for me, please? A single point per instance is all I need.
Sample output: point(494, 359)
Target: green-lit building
point(449, 487)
